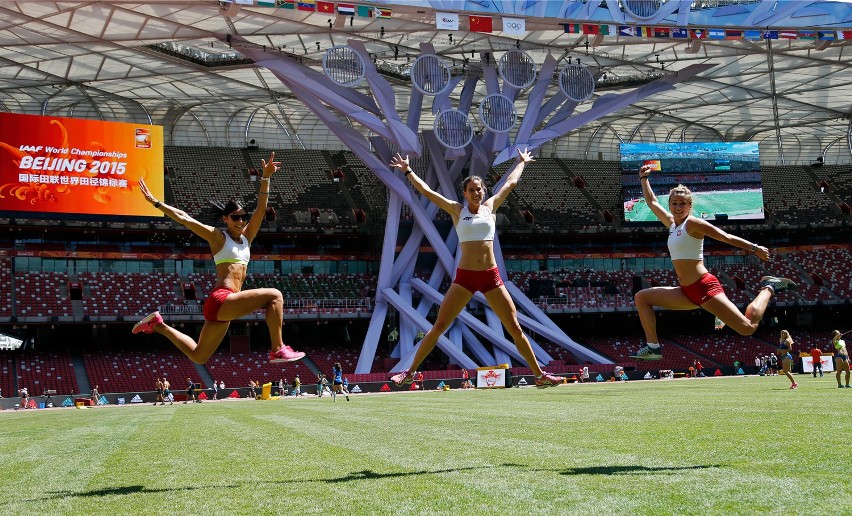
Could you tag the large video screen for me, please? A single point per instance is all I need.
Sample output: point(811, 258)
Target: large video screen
point(724, 178)
point(66, 165)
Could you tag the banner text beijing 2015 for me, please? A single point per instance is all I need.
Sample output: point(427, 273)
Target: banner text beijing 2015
point(69, 165)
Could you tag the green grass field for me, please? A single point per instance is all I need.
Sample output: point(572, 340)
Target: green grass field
point(696, 446)
point(736, 204)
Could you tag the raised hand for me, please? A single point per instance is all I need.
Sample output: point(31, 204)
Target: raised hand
point(271, 166)
point(147, 193)
point(525, 155)
point(401, 163)
point(645, 170)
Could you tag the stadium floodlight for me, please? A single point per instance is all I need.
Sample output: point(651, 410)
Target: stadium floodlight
point(10, 342)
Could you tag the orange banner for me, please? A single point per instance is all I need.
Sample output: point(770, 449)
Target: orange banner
point(69, 165)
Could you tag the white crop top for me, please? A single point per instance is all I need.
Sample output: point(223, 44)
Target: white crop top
point(233, 252)
point(683, 246)
point(476, 226)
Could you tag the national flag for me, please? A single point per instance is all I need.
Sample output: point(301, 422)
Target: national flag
point(286, 4)
point(662, 32)
point(514, 26)
point(447, 21)
point(770, 34)
point(382, 12)
point(306, 6)
point(733, 34)
point(810, 35)
point(841, 34)
point(788, 34)
point(365, 11)
point(626, 30)
point(715, 33)
point(325, 7)
point(346, 9)
point(698, 33)
point(645, 32)
point(609, 30)
point(571, 28)
point(591, 28)
point(481, 24)
point(828, 35)
point(261, 3)
point(752, 34)
point(680, 33)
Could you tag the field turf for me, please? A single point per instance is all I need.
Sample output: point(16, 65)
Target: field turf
point(745, 445)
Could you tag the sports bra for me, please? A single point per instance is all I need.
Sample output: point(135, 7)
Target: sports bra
point(477, 226)
point(233, 252)
point(682, 245)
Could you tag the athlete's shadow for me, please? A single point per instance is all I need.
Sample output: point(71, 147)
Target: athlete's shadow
point(371, 475)
point(628, 469)
point(122, 490)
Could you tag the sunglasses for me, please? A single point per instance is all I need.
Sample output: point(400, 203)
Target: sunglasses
point(244, 217)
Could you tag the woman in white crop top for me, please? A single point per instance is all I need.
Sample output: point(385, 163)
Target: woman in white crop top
point(698, 288)
point(477, 269)
point(230, 248)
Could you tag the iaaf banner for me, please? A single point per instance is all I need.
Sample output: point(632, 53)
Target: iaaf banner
point(491, 377)
point(69, 165)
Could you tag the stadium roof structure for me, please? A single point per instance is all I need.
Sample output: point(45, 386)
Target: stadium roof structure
point(169, 62)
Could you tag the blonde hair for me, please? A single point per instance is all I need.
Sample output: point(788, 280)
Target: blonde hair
point(785, 333)
point(681, 190)
point(835, 334)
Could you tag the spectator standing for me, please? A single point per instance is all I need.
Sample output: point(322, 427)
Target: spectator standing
point(841, 357)
point(158, 386)
point(816, 358)
point(785, 355)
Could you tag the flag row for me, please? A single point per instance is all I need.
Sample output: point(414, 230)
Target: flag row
point(517, 26)
point(366, 11)
point(701, 33)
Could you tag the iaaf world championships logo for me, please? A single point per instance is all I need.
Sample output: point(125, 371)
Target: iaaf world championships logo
point(491, 378)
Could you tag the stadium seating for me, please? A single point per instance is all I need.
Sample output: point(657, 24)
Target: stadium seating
point(237, 369)
point(128, 294)
point(42, 371)
point(7, 379)
point(133, 371)
point(5, 293)
point(42, 294)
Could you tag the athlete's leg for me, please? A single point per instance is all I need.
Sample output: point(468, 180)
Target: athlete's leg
point(671, 298)
point(501, 302)
point(727, 312)
point(454, 301)
point(785, 366)
point(247, 301)
point(754, 311)
point(199, 352)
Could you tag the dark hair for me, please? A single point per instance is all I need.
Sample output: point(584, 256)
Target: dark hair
point(220, 209)
point(468, 179)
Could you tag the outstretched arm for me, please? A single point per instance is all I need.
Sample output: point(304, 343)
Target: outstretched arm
point(451, 207)
point(269, 168)
point(651, 199)
point(511, 182)
point(206, 232)
point(709, 230)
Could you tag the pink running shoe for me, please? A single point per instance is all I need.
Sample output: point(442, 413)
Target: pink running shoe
point(403, 378)
point(285, 354)
point(794, 386)
point(147, 324)
point(548, 380)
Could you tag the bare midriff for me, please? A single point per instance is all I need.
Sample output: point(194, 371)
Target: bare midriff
point(689, 271)
point(477, 255)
